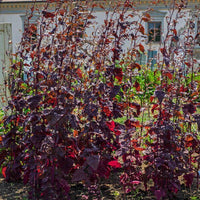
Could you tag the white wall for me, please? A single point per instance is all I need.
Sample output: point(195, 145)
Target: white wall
point(16, 22)
point(17, 26)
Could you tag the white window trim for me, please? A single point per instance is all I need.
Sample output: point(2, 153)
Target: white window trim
point(197, 46)
point(33, 20)
point(156, 16)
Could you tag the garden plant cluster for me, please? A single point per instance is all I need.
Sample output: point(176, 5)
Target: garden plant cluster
point(86, 109)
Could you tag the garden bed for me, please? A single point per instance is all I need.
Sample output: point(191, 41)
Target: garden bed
point(88, 121)
point(109, 190)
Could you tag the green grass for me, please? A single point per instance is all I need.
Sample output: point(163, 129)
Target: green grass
point(120, 120)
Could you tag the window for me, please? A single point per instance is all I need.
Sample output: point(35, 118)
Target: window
point(32, 25)
point(152, 55)
point(154, 31)
point(198, 32)
point(5, 48)
point(141, 59)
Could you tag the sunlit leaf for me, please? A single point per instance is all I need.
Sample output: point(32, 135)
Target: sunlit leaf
point(75, 134)
point(114, 163)
point(79, 73)
point(111, 125)
point(154, 107)
point(141, 47)
point(151, 98)
point(137, 86)
point(169, 75)
point(141, 29)
point(48, 14)
point(4, 171)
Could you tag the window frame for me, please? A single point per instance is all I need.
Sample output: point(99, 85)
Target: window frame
point(154, 31)
point(197, 30)
point(156, 16)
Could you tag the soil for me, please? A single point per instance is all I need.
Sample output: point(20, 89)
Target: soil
point(110, 190)
point(12, 191)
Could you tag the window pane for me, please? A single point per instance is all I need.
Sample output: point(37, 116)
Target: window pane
point(198, 26)
point(151, 35)
point(152, 58)
point(154, 31)
point(141, 59)
point(157, 35)
point(198, 31)
point(157, 39)
point(158, 25)
point(151, 25)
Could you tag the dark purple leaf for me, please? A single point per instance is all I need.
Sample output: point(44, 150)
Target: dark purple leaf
point(34, 101)
point(118, 74)
point(189, 108)
point(160, 95)
point(117, 111)
point(3, 155)
point(66, 164)
point(189, 179)
point(114, 91)
point(159, 194)
point(64, 184)
point(101, 87)
point(37, 139)
point(73, 121)
point(93, 161)
point(59, 152)
point(79, 175)
point(26, 176)
point(91, 110)
point(52, 117)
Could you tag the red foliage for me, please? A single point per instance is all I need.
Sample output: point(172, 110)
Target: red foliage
point(115, 164)
point(83, 106)
point(4, 171)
